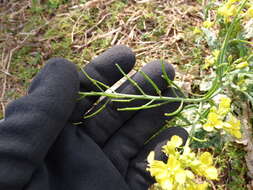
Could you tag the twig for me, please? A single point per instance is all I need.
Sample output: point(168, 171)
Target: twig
point(6, 62)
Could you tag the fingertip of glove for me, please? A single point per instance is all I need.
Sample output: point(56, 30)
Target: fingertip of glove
point(155, 72)
point(119, 54)
point(57, 72)
point(156, 68)
point(62, 63)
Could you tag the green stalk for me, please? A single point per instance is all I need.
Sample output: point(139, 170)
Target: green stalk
point(180, 108)
point(158, 91)
point(134, 83)
point(221, 57)
point(146, 97)
point(98, 111)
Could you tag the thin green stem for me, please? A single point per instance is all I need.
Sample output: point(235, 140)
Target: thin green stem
point(98, 111)
point(194, 124)
point(243, 41)
point(221, 56)
point(147, 97)
point(158, 91)
point(169, 81)
point(180, 108)
point(123, 100)
point(136, 108)
point(95, 82)
point(134, 83)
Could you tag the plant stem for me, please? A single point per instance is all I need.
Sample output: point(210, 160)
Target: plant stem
point(146, 97)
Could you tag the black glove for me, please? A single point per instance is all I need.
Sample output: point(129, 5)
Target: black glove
point(40, 148)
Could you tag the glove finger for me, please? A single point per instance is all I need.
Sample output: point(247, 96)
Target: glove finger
point(77, 163)
point(137, 177)
point(103, 69)
point(129, 139)
point(102, 126)
point(33, 122)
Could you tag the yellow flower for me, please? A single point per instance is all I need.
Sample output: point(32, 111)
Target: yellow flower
point(205, 167)
point(171, 145)
point(218, 118)
point(242, 65)
point(249, 13)
point(206, 158)
point(208, 24)
point(227, 10)
point(177, 172)
point(233, 126)
point(224, 106)
point(224, 103)
point(213, 121)
point(157, 169)
point(166, 174)
point(211, 173)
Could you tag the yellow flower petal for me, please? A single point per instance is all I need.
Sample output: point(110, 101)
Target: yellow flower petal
point(173, 163)
point(234, 122)
point(180, 177)
point(237, 134)
point(225, 102)
point(206, 158)
point(202, 186)
point(249, 12)
point(208, 127)
point(207, 24)
point(211, 173)
point(214, 119)
point(224, 106)
point(151, 157)
point(227, 10)
point(166, 184)
point(189, 174)
point(176, 141)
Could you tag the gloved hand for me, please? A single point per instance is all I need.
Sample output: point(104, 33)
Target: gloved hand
point(40, 148)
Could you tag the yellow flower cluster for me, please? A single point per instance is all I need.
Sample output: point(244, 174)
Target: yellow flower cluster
point(230, 8)
point(177, 172)
point(221, 118)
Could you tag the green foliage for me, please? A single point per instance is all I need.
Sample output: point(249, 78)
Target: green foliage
point(37, 7)
point(55, 3)
point(212, 140)
point(233, 167)
point(25, 65)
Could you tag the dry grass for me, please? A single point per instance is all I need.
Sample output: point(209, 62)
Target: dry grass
point(153, 29)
